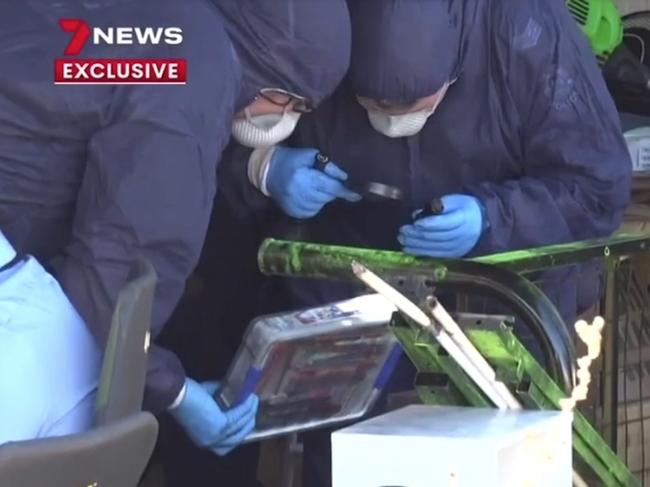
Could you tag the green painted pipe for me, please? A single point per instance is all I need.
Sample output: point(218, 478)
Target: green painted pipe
point(280, 257)
point(289, 258)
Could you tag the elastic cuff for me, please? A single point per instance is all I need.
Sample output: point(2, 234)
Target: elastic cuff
point(258, 167)
point(16, 260)
point(179, 399)
point(485, 221)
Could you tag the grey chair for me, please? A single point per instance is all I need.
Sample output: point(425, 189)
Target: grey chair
point(116, 451)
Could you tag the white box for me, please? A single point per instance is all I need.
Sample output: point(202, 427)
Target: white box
point(427, 446)
point(638, 145)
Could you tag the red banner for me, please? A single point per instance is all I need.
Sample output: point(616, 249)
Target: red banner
point(120, 71)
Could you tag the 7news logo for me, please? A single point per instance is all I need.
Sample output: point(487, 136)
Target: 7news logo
point(118, 70)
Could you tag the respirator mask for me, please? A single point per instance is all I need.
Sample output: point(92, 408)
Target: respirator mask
point(257, 131)
point(405, 124)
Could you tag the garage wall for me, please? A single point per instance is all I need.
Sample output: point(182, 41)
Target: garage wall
point(627, 6)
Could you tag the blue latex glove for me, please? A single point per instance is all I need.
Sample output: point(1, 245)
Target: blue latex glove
point(207, 425)
point(299, 188)
point(452, 234)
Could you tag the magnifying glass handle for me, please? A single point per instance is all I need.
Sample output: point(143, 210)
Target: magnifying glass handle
point(432, 208)
point(320, 161)
point(364, 188)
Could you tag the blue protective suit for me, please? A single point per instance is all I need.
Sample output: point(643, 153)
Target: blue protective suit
point(93, 177)
point(49, 362)
point(528, 127)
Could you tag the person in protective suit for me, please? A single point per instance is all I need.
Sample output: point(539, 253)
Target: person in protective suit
point(95, 177)
point(498, 108)
point(510, 124)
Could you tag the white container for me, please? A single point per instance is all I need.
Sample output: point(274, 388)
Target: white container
point(314, 367)
point(427, 446)
point(638, 144)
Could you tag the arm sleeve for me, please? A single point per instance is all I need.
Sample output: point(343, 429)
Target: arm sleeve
point(147, 191)
point(576, 172)
point(237, 191)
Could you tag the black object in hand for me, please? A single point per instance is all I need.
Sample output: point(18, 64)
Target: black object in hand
point(320, 161)
point(432, 208)
point(364, 188)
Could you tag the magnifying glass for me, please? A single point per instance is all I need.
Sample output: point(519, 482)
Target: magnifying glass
point(364, 188)
point(381, 190)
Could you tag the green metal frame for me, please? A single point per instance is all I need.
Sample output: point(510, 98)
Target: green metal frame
point(322, 261)
point(540, 258)
point(443, 382)
point(283, 257)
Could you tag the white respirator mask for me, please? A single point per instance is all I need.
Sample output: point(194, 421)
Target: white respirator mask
point(264, 130)
point(405, 124)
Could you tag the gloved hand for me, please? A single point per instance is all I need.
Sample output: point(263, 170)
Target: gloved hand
point(452, 234)
point(207, 425)
point(299, 188)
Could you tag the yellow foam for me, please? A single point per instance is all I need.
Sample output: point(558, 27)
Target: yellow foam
point(592, 337)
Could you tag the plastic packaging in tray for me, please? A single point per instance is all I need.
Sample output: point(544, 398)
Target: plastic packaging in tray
point(314, 367)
